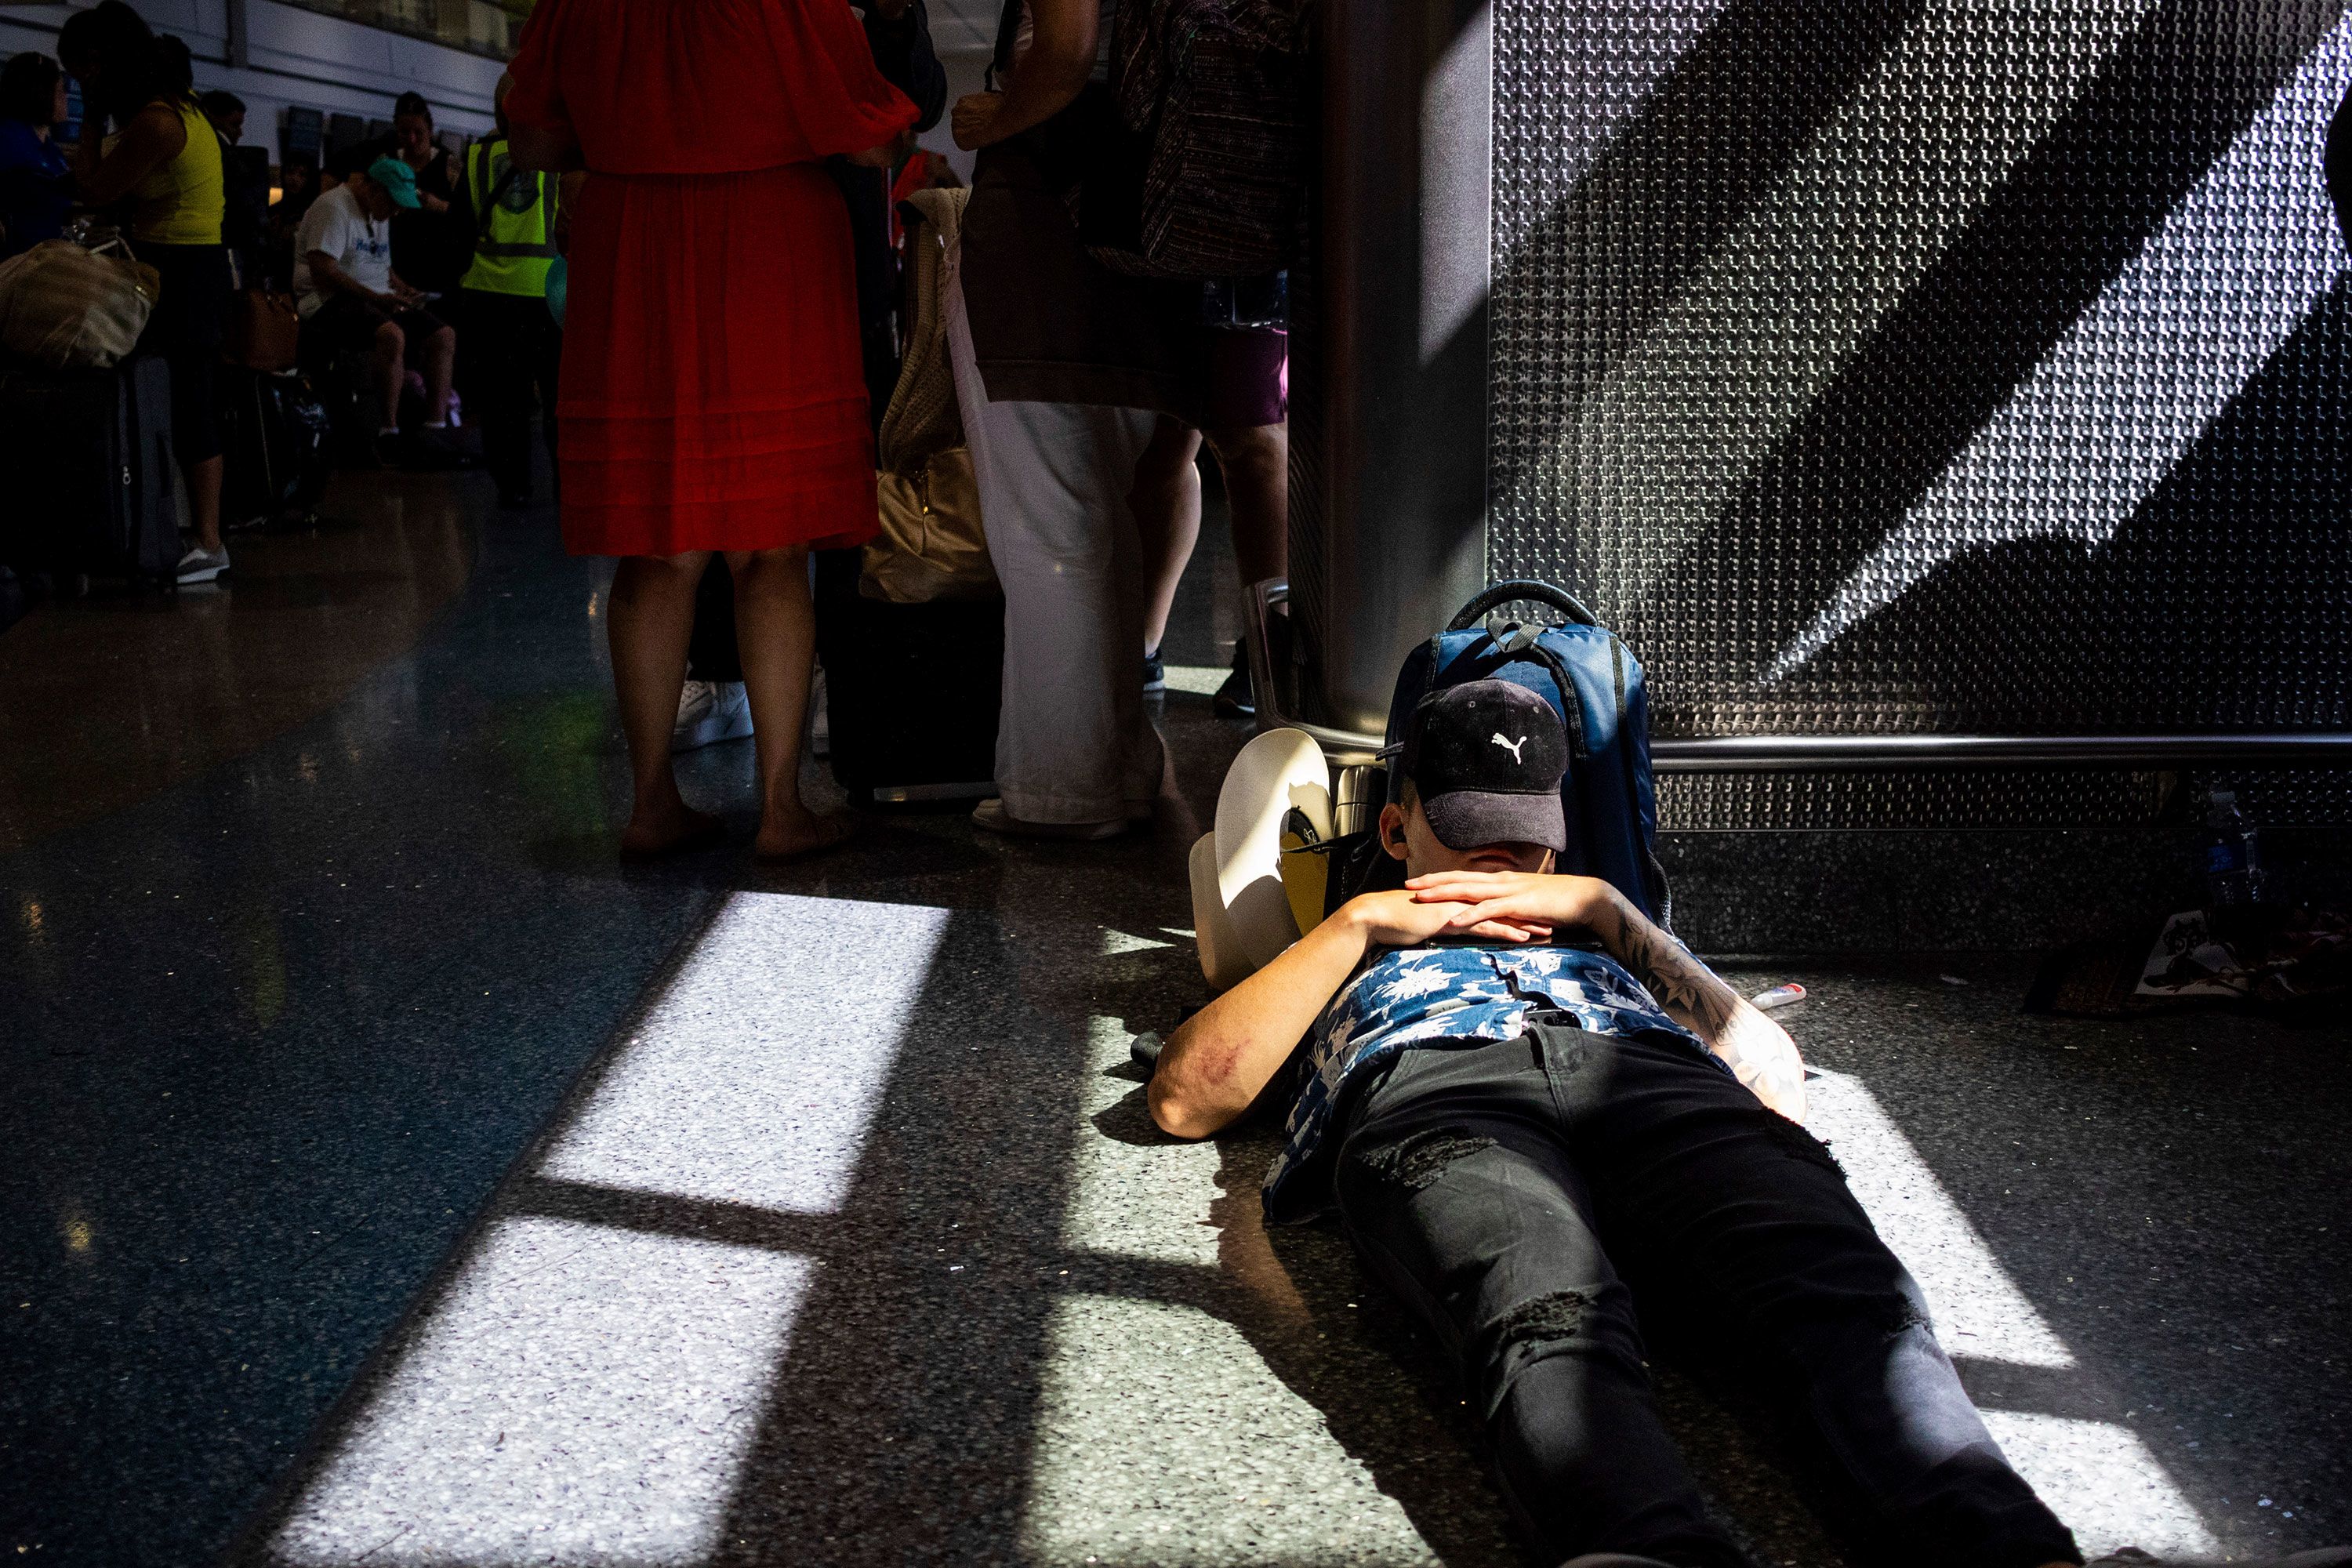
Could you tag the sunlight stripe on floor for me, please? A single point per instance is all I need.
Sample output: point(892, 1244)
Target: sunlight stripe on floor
point(2097, 1476)
point(1167, 1440)
point(1132, 1193)
point(586, 1395)
point(2103, 1481)
point(755, 1076)
point(1979, 1311)
point(582, 1395)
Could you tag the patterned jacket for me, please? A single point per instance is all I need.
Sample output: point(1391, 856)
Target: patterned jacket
point(1402, 997)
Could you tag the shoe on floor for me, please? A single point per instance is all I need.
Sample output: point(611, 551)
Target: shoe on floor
point(1155, 673)
point(709, 711)
point(2133, 1557)
point(201, 565)
point(1237, 699)
point(991, 814)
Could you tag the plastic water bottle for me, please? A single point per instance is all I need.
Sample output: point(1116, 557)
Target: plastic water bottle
point(2234, 879)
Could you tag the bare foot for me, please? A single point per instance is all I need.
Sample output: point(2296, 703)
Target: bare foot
point(794, 836)
point(679, 831)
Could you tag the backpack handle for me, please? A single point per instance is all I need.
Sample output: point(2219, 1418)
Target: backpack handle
point(1526, 588)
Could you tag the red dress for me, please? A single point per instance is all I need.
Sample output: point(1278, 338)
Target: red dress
point(712, 396)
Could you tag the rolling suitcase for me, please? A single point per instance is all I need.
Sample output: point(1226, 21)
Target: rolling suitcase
point(274, 440)
point(90, 477)
point(911, 691)
point(914, 668)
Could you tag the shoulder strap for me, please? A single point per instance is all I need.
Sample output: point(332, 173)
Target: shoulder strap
point(921, 418)
point(1571, 705)
point(507, 181)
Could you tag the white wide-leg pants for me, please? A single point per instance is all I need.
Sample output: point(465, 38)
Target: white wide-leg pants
point(1074, 742)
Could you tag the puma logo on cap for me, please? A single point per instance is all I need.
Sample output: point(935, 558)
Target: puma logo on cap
point(1474, 798)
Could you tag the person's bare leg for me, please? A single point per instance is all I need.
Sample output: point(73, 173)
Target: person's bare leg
point(391, 372)
point(1256, 460)
point(204, 501)
point(776, 634)
point(1166, 501)
point(440, 364)
point(1256, 463)
point(647, 622)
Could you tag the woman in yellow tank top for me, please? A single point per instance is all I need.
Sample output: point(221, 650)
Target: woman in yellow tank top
point(179, 202)
point(163, 163)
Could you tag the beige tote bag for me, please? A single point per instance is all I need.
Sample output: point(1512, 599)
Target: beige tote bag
point(932, 546)
point(62, 305)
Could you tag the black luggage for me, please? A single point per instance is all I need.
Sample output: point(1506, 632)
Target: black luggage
point(89, 477)
point(911, 691)
point(273, 447)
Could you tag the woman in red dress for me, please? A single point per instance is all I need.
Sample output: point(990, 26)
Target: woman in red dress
point(711, 396)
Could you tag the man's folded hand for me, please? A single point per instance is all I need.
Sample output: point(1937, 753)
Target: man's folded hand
point(1535, 904)
point(1401, 919)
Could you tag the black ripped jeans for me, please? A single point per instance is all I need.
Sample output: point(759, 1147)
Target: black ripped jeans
point(1509, 1191)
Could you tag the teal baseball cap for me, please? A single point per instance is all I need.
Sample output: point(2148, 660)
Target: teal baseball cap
point(398, 180)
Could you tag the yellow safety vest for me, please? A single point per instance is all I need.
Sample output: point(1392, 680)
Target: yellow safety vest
point(514, 223)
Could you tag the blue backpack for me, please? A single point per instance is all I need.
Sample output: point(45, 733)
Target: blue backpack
point(1595, 683)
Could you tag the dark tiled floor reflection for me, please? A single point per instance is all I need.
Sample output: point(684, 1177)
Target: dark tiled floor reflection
point(285, 990)
point(107, 700)
point(395, 1178)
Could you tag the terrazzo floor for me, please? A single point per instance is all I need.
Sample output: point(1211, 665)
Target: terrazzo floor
point(395, 1179)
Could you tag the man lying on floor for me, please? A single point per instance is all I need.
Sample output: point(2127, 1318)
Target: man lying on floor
point(1511, 1127)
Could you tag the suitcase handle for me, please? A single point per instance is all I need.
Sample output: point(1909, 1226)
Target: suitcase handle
point(1526, 588)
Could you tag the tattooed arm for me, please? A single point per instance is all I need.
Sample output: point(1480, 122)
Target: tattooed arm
point(1758, 1051)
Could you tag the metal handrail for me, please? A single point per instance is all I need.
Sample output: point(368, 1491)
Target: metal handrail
point(1796, 754)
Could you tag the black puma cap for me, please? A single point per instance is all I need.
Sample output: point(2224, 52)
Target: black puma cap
point(1486, 757)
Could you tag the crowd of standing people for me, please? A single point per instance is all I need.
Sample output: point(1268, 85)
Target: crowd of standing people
point(714, 405)
point(386, 254)
point(726, 345)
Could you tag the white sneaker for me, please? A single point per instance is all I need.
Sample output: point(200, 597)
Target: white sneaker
point(202, 565)
point(709, 711)
point(990, 814)
point(820, 718)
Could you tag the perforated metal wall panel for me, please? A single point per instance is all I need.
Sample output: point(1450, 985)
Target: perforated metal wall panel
point(2301, 797)
point(2004, 798)
point(1890, 365)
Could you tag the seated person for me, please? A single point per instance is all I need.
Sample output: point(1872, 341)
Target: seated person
point(1512, 1126)
point(350, 298)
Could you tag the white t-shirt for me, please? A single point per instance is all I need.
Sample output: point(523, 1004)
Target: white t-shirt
point(360, 244)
